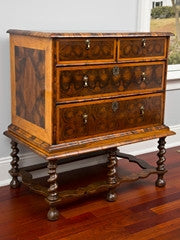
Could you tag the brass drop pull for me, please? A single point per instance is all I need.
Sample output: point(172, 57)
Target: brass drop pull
point(142, 78)
point(88, 44)
point(143, 42)
point(85, 118)
point(142, 111)
point(143, 75)
point(115, 106)
point(85, 80)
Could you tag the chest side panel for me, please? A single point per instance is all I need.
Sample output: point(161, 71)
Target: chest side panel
point(30, 84)
point(31, 77)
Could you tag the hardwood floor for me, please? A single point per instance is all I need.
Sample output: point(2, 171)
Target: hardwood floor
point(142, 211)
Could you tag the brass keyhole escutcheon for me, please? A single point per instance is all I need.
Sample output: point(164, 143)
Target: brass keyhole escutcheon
point(115, 71)
point(115, 106)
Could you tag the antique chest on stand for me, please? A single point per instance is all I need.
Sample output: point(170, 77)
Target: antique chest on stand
point(76, 95)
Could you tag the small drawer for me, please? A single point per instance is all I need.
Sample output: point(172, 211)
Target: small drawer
point(132, 48)
point(77, 121)
point(117, 79)
point(87, 50)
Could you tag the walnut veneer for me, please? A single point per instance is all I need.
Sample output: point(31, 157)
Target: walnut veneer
point(76, 95)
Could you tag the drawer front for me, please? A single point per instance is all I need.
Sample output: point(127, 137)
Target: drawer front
point(98, 118)
point(141, 48)
point(119, 79)
point(85, 50)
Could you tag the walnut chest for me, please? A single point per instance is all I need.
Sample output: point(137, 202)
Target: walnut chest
point(80, 93)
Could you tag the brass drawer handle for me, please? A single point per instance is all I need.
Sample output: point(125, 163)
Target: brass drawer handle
point(143, 78)
point(115, 106)
point(142, 110)
point(85, 80)
point(143, 75)
point(85, 118)
point(143, 42)
point(88, 44)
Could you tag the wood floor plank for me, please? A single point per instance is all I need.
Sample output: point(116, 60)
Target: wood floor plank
point(164, 208)
point(154, 220)
point(156, 202)
point(156, 231)
point(100, 231)
point(73, 225)
point(172, 235)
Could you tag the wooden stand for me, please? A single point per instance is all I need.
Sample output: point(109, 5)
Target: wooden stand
point(14, 172)
point(54, 197)
point(160, 163)
point(112, 178)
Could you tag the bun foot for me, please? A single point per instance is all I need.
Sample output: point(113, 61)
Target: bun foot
point(160, 182)
point(15, 183)
point(111, 196)
point(53, 214)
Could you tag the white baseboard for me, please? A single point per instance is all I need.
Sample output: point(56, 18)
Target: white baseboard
point(135, 149)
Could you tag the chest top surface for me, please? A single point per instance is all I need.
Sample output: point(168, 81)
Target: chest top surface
point(73, 34)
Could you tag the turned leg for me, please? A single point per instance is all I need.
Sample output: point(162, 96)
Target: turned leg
point(14, 172)
point(53, 213)
point(112, 179)
point(160, 182)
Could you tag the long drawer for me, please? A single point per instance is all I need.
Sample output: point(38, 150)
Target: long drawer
point(140, 48)
point(77, 121)
point(119, 79)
